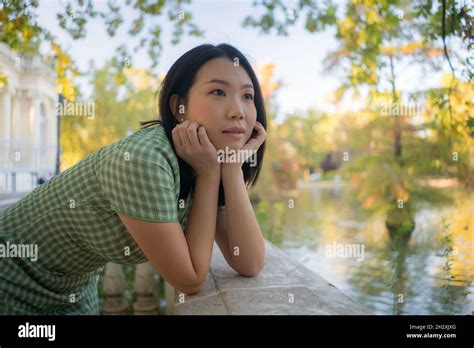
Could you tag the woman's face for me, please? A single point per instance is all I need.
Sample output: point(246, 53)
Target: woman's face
point(222, 97)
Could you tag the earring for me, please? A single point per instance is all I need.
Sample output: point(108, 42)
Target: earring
point(181, 119)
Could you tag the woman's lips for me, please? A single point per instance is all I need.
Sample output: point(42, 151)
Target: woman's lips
point(234, 135)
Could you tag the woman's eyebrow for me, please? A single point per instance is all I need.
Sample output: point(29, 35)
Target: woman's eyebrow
point(227, 83)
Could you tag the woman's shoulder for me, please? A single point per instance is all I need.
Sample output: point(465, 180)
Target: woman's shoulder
point(146, 144)
point(155, 133)
point(152, 144)
point(151, 139)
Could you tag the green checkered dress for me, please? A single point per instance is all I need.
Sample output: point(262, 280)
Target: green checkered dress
point(72, 219)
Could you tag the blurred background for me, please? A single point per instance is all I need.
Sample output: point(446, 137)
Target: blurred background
point(370, 131)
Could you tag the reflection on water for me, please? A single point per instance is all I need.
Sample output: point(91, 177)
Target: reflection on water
point(431, 273)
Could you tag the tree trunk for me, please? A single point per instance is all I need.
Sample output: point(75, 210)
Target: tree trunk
point(397, 130)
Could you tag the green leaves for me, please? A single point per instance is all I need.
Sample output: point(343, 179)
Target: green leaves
point(113, 18)
point(470, 126)
point(74, 16)
point(20, 30)
point(118, 107)
point(279, 16)
point(18, 26)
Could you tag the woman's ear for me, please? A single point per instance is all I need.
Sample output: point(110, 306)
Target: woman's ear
point(177, 108)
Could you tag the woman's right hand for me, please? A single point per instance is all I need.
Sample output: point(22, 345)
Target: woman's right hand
point(194, 147)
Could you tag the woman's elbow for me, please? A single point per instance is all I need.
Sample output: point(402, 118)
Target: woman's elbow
point(252, 272)
point(192, 290)
point(254, 267)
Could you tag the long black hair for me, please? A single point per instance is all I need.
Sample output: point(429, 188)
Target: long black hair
point(179, 79)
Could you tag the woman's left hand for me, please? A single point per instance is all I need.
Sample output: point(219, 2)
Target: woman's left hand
point(257, 140)
point(251, 147)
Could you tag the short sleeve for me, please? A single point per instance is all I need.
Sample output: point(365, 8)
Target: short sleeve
point(140, 183)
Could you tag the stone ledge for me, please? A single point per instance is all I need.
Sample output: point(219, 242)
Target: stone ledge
point(284, 287)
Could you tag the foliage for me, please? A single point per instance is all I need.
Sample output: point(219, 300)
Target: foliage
point(388, 153)
point(118, 110)
point(20, 30)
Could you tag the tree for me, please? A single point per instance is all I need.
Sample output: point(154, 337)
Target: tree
point(301, 131)
point(118, 110)
point(373, 37)
point(20, 30)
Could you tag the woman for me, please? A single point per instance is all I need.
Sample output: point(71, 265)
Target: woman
point(161, 195)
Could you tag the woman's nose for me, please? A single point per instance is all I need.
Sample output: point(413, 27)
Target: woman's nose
point(236, 111)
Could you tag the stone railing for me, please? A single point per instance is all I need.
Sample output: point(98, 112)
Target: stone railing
point(283, 287)
point(144, 287)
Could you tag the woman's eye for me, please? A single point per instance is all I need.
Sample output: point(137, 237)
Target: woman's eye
point(250, 96)
point(217, 90)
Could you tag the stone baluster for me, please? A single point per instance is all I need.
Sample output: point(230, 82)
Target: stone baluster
point(170, 298)
point(114, 287)
point(144, 286)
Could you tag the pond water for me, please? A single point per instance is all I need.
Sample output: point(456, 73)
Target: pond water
point(432, 273)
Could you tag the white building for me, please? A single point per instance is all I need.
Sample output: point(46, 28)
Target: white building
point(28, 120)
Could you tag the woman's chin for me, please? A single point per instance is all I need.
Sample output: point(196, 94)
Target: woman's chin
point(230, 145)
point(222, 144)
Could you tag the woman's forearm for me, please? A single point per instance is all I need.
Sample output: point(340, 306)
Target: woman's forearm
point(201, 227)
point(246, 242)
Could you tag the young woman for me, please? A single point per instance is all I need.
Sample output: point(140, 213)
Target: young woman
point(162, 194)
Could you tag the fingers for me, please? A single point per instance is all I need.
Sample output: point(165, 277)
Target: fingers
point(259, 128)
point(175, 134)
point(187, 133)
point(180, 139)
point(261, 133)
point(191, 132)
point(203, 137)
